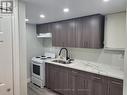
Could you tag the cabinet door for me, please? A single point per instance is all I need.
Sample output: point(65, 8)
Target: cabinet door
point(64, 34)
point(57, 79)
point(71, 34)
point(72, 83)
point(43, 28)
point(49, 77)
point(47, 81)
point(63, 31)
point(90, 31)
point(63, 86)
point(94, 31)
point(82, 35)
point(83, 84)
point(68, 33)
point(57, 34)
point(99, 85)
point(115, 87)
point(85, 33)
point(78, 31)
point(52, 77)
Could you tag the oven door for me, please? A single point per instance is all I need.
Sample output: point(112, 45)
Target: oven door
point(36, 70)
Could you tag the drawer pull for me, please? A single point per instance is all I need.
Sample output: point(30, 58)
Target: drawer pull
point(2, 84)
point(97, 78)
point(116, 83)
point(74, 72)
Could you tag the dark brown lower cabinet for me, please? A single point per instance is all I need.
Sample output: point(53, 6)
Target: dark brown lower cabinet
point(52, 80)
point(99, 85)
point(115, 87)
point(83, 84)
point(71, 84)
point(57, 79)
point(68, 81)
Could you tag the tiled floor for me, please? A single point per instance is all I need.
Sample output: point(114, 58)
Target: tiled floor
point(34, 90)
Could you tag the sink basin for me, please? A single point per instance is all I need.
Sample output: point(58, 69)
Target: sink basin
point(61, 61)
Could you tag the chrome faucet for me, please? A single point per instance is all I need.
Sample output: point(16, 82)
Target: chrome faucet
point(67, 57)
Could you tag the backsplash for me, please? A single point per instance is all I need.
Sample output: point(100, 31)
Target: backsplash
point(95, 55)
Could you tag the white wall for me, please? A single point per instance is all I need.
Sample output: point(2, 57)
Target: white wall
point(22, 49)
point(125, 64)
point(34, 46)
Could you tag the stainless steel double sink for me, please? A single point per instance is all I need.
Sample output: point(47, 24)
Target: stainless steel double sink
point(62, 61)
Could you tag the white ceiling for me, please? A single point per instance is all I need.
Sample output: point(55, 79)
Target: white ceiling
point(53, 9)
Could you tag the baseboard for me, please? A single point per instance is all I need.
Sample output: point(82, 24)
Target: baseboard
point(28, 80)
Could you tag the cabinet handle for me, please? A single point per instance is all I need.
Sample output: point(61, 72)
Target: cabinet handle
point(116, 83)
point(2, 84)
point(74, 72)
point(1, 41)
point(97, 78)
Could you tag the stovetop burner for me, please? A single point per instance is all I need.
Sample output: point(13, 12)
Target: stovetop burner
point(43, 56)
point(49, 57)
point(38, 57)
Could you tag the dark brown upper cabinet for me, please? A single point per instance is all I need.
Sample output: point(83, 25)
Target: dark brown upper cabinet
point(63, 33)
point(68, 33)
point(57, 39)
point(90, 31)
point(43, 28)
point(95, 31)
point(83, 32)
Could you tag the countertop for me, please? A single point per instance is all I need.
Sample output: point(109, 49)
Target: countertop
point(92, 67)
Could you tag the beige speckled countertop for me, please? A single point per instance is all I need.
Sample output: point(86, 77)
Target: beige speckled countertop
point(92, 67)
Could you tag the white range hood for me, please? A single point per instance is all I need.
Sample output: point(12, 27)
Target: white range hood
point(44, 35)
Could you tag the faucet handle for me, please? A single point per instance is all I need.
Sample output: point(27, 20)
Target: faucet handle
point(70, 60)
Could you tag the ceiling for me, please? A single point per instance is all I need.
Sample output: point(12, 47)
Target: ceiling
point(53, 9)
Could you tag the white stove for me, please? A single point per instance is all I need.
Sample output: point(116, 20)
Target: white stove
point(38, 69)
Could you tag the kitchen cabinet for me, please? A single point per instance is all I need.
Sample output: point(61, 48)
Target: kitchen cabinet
point(71, 35)
point(64, 82)
point(43, 28)
point(72, 83)
point(115, 87)
point(57, 35)
point(79, 31)
point(68, 81)
point(51, 73)
point(90, 31)
point(83, 83)
point(115, 31)
point(99, 85)
point(94, 31)
point(83, 32)
point(57, 79)
point(63, 34)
